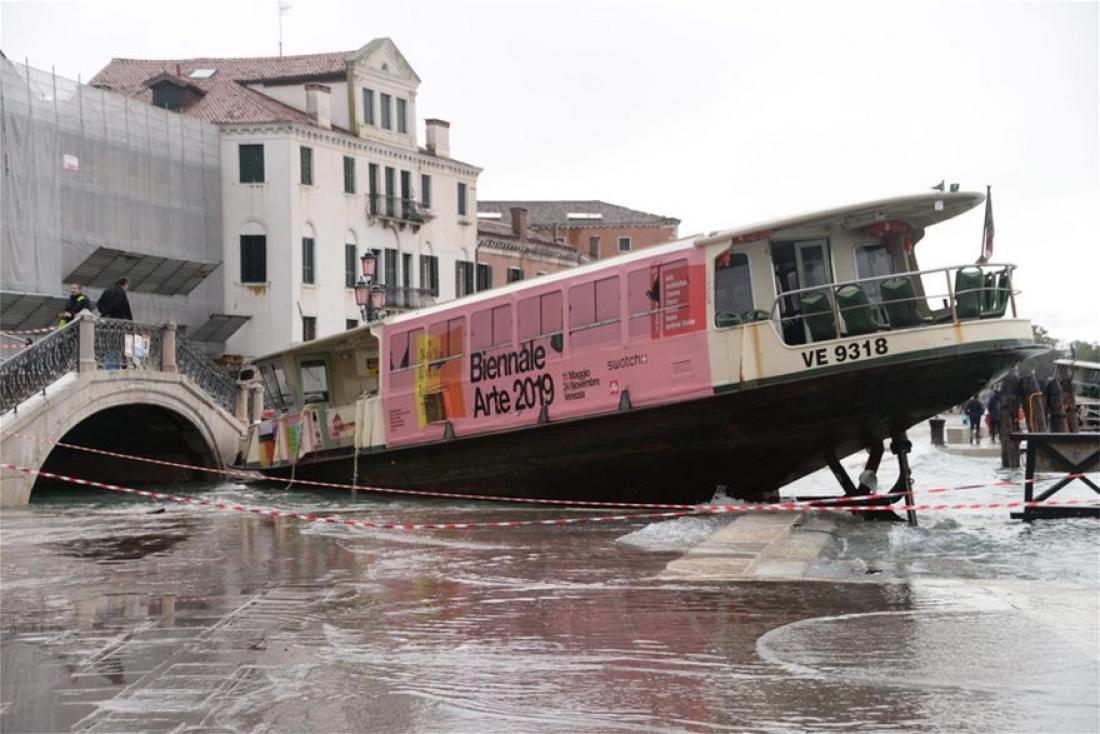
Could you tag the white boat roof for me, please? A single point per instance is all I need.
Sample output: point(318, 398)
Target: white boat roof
point(1079, 363)
point(917, 209)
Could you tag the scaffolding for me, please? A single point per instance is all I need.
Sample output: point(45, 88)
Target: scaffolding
point(85, 169)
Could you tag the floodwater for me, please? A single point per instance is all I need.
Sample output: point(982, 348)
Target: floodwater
point(122, 615)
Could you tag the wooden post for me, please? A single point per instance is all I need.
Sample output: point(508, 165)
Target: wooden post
point(87, 342)
point(168, 348)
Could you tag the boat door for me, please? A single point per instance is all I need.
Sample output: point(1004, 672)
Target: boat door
point(812, 257)
point(798, 264)
point(315, 381)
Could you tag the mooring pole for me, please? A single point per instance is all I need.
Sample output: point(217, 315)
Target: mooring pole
point(900, 446)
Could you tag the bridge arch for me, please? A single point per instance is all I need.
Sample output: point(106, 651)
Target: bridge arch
point(153, 414)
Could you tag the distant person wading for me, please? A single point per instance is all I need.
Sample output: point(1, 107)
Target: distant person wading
point(114, 304)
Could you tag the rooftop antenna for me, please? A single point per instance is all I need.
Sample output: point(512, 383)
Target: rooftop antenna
point(284, 8)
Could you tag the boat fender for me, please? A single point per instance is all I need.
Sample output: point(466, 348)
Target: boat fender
point(624, 400)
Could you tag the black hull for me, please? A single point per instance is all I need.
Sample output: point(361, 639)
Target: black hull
point(752, 440)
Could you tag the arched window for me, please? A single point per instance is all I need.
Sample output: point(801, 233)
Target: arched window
point(253, 238)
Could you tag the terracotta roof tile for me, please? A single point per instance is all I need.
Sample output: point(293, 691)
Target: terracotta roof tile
point(226, 99)
point(547, 213)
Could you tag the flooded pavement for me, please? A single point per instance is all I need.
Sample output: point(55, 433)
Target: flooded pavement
point(116, 620)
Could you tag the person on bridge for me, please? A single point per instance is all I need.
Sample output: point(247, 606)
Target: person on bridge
point(77, 302)
point(974, 410)
point(114, 304)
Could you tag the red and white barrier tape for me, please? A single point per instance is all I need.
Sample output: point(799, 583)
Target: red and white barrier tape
point(257, 476)
point(15, 346)
point(28, 332)
point(696, 510)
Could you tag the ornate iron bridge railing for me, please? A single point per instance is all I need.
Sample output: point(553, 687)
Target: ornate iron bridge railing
point(128, 345)
point(115, 345)
point(198, 365)
point(39, 365)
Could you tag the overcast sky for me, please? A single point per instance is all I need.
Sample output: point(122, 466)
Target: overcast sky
point(716, 113)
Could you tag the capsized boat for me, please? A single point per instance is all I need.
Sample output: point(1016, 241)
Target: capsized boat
point(743, 359)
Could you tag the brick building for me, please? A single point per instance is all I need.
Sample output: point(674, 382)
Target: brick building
point(593, 228)
point(510, 252)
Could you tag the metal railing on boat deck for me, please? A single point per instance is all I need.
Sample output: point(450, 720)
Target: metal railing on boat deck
point(896, 301)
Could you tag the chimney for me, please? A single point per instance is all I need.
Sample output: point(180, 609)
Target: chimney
point(519, 222)
point(317, 104)
point(438, 137)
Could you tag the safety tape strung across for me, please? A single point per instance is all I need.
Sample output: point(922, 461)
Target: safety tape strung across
point(335, 519)
point(28, 332)
point(256, 476)
point(15, 346)
point(696, 510)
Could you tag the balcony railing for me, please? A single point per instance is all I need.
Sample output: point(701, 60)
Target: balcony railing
point(887, 302)
point(397, 208)
point(406, 297)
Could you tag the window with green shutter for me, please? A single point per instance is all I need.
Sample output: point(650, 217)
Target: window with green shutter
point(368, 106)
point(350, 260)
point(253, 258)
point(251, 158)
point(307, 165)
point(307, 260)
point(349, 175)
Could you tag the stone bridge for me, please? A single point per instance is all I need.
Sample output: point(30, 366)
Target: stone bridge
point(121, 386)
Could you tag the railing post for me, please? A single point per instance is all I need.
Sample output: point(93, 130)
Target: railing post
point(951, 296)
point(257, 402)
point(86, 326)
point(836, 312)
point(1011, 293)
point(168, 348)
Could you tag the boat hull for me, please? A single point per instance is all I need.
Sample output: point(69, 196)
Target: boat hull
point(751, 439)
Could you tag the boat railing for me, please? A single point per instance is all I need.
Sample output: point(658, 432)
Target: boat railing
point(895, 301)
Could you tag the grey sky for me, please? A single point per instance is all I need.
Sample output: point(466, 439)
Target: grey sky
point(716, 113)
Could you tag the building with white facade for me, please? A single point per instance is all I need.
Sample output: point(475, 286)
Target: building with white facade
point(321, 162)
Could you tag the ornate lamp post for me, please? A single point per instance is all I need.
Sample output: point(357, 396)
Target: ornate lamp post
point(369, 295)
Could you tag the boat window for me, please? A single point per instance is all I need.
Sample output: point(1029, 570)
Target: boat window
point(446, 339)
point(873, 259)
point(491, 327)
point(275, 384)
point(540, 316)
point(733, 301)
point(643, 289)
point(314, 381)
point(594, 312)
point(403, 346)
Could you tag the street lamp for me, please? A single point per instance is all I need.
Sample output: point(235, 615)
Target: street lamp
point(369, 295)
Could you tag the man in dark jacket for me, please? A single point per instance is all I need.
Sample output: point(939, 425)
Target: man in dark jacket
point(114, 304)
point(974, 410)
point(993, 407)
point(77, 302)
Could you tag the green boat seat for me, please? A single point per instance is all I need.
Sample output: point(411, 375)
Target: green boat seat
point(968, 292)
point(818, 315)
point(1000, 296)
point(755, 314)
point(899, 300)
point(725, 318)
point(856, 311)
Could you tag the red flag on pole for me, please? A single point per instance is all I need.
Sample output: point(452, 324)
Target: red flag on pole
point(987, 230)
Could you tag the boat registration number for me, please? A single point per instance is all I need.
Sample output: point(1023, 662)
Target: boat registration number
point(849, 352)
